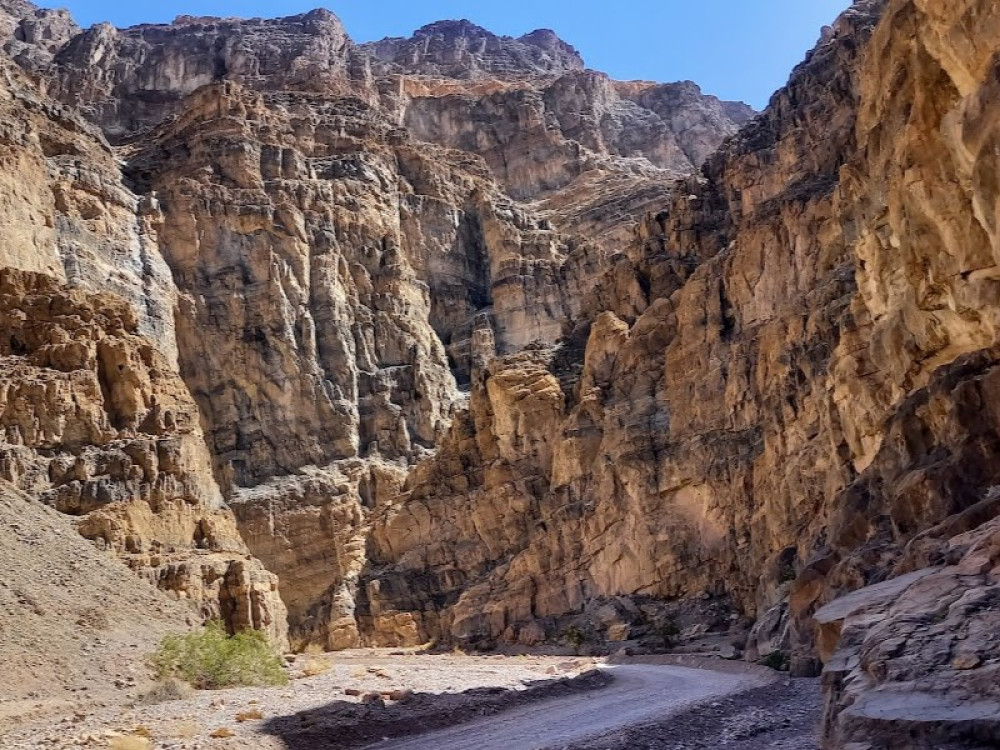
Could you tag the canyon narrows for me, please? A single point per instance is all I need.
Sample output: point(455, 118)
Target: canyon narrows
point(451, 339)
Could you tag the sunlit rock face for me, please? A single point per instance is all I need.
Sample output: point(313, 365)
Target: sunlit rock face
point(682, 438)
point(309, 265)
point(97, 421)
point(461, 341)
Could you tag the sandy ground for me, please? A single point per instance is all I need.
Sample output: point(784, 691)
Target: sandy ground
point(406, 701)
point(781, 716)
point(336, 707)
point(637, 694)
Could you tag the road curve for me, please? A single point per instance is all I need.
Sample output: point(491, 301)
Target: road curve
point(639, 693)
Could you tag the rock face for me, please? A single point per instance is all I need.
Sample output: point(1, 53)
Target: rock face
point(463, 50)
point(97, 426)
point(281, 274)
point(96, 421)
point(683, 438)
point(465, 342)
point(913, 662)
point(541, 138)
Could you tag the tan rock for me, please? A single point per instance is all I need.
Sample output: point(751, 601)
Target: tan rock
point(915, 655)
point(97, 426)
point(966, 661)
point(472, 366)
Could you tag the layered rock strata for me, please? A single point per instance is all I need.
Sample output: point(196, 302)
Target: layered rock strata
point(97, 423)
point(97, 426)
point(683, 440)
point(444, 323)
point(798, 396)
point(323, 269)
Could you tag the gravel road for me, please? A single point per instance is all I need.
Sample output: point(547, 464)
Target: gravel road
point(640, 693)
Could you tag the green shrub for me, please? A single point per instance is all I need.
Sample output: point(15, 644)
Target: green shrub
point(668, 633)
point(210, 659)
point(574, 637)
point(777, 660)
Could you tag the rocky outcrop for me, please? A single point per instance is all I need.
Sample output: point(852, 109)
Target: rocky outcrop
point(69, 214)
point(783, 393)
point(314, 528)
point(34, 35)
point(322, 279)
point(473, 357)
point(829, 361)
point(128, 80)
point(96, 421)
point(75, 620)
point(540, 138)
point(912, 662)
point(97, 426)
point(682, 441)
point(337, 270)
point(11, 12)
point(463, 50)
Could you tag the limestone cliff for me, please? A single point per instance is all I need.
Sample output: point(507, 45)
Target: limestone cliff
point(473, 344)
point(683, 440)
point(322, 267)
point(97, 423)
point(784, 396)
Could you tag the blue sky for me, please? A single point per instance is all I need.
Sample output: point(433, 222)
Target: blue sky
point(736, 49)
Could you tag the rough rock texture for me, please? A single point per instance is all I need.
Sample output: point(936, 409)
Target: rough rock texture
point(682, 440)
point(916, 659)
point(473, 357)
point(96, 421)
point(785, 391)
point(463, 50)
point(314, 528)
point(539, 138)
point(96, 425)
point(322, 265)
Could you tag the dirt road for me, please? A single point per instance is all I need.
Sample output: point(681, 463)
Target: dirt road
point(640, 693)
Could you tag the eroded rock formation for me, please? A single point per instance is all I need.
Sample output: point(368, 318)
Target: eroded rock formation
point(97, 422)
point(286, 230)
point(465, 342)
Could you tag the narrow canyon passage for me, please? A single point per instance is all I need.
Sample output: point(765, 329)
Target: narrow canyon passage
point(427, 371)
point(640, 693)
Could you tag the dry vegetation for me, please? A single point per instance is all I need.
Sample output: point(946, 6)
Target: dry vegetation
point(211, 659)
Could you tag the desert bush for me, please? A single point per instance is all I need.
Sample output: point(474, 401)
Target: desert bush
point(777, 660)
point(210, 659)
point(668, 633)
point(166, 690)
point(316, 666)
point(574, 637)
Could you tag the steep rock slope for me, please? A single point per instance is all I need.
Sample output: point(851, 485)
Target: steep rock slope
point(69, 629)
point(913, 661)
point(785, 396)
point(469, 363)
point(322, 278)
point(463, 50)
point(684, 440)
point(97, 422)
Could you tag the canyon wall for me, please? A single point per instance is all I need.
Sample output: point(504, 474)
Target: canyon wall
point(785, 396)
point(683, 440)
point(97, 423)
point(450, 338)
point(307, 262)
